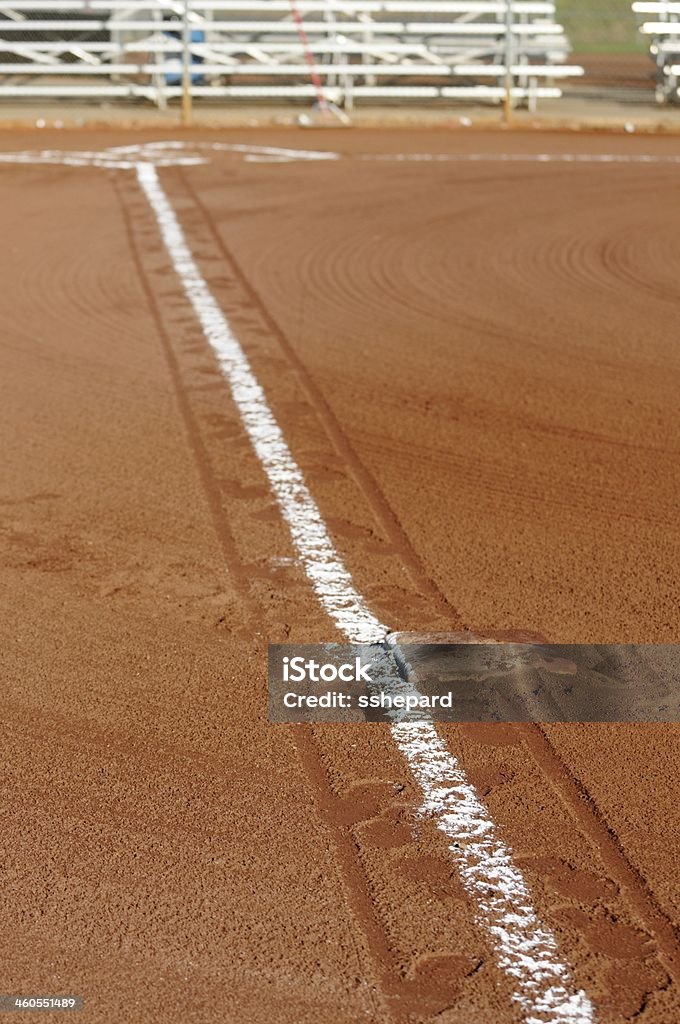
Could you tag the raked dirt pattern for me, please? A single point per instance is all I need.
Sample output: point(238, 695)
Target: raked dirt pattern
point(466, 344)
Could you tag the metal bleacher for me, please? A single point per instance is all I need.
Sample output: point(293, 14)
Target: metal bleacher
point(660, 25)
point(362, 50)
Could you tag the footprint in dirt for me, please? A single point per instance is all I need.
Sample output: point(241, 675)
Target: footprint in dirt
point(566, 880)
point(434, 982)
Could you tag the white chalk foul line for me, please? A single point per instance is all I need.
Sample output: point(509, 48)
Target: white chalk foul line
point(526, 951)
point(522, 158)
point(114, 159)
point(163, 154)
point(171, 152)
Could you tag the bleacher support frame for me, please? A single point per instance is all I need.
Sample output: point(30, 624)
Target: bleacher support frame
point(372, 50)
point(660, 25)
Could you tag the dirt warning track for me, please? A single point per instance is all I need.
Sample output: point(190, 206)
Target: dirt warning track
point(424, 381)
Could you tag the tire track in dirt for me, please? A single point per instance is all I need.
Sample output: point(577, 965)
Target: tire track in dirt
point(193, 433)
point(576, 798)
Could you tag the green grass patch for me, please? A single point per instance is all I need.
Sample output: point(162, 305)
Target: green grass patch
point(606, 27)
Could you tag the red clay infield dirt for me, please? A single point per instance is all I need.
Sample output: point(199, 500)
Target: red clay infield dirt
point(476, 365)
